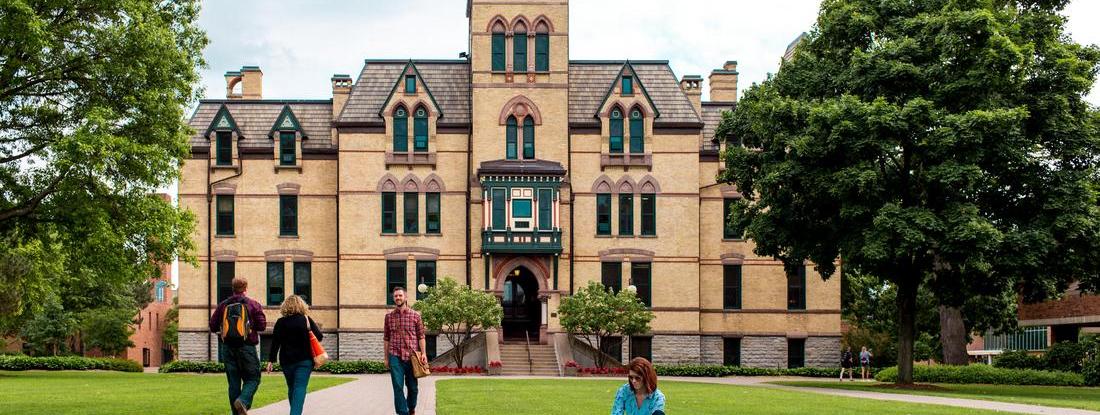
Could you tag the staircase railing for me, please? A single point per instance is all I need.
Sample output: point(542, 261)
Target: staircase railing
point(530, 361)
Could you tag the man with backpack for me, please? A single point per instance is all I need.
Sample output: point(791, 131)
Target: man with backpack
point(238, 321)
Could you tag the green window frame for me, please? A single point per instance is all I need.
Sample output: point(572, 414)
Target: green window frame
point(389, 212)
point(796, 353)
point(425, 274)
point(542, 52)
point(225, 207)
point(511, 138)
point(410, 84)
point(731, 287)
point(628, 85)
point(603, 214)
point(500, 211)
point(796, 289)
point(395, 277)
point(546, 209)
point(519, 51)
point(731, 351)
point(420, 130)
point(288, 215)
point(615, 144)
point(641, 276)
point(637, 132)
point(499, 63)
point(223, 143)
point(287, 156)
point(303, 281)
point(432, 212)
point(226, 271)
point(411, 210)
point(528, 138)
point(400, 130)
point(611, 276)
point(276, 283)
point(649, 214)
point(626, 214)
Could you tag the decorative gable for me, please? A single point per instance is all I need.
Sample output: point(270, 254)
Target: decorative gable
point(397, 93)
point(286, 121)
point(615, 93)
point(223, 121)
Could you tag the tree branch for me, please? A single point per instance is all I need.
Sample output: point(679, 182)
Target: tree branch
point(29, 151)
point(28, 206)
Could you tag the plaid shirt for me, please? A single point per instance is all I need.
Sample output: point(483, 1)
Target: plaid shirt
point(403, 329)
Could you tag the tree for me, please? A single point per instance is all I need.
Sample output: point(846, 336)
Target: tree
point(108, 330)
point(92, 100)
point(49, 331)
point(941, 144)
point(594, 313)
point(456, 312)
point(170, 337)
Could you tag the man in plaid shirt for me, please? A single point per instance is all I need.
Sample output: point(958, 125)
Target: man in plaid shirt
point(403, 337)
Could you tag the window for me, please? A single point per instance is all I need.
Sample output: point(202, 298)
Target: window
point(224, 148)
point(412, 218)
point(628, 85)
point(425, 274)
point(288, 215)
point(796, 353)
point(641, 347)
point(616, 143)
point(649, 214)
point(420, 130)
point(729, 230)
point(225, 280)
point(542, 51)
point(395, 277)
point(303, 281)
point(225, 215)
point(521, 214)
point(546, 209)
point(611, 275)
point(731, 287)
point(410, 84)
point(430, 344)
point(603, 214)
point(626, 214)
point(389, 212)
point(519, 50)
point(498, 51)
point(160, 292)
point(275, 283)
point(286, 149)
point(400, 130)
point(637, 132)
point(612, 346)
point(499, 209)
point(431, 200)
point(510, 137)
point(641, 274)
point(731, 351)
point(796, 289)
point(528, 138)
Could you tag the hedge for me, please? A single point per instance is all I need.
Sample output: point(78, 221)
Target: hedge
point(1091, 372)
point(20, 362)
point(1019, 359)
point(720, 371)
point(336, 367)
point(984, 374)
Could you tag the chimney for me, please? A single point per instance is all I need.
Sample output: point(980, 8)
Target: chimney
point(251, 80)
point(692, 85)
point(341, 89)
point(723, 83)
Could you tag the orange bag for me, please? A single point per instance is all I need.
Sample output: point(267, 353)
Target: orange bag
point(320, 356)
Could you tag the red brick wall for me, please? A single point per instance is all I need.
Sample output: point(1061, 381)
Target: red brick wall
point(1073, 304)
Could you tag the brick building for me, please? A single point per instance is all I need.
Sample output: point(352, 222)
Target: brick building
point(517, 171)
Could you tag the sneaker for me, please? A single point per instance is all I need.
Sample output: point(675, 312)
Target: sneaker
point(239, 407)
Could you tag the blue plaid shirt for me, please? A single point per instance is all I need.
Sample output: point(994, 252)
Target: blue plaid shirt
point(626, 405)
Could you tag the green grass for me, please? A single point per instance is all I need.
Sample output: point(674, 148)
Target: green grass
point(581, 396)
point(37, 392)
point(1058, 396)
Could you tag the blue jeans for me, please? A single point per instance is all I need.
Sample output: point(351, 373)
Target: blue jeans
point(297, 379)
point(242, 369)
point(401, 375)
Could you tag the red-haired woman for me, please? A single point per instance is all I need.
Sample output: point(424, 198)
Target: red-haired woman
point(639, 396)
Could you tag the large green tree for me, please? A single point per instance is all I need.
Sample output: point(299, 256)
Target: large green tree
point(937, 143)
point(92, 99)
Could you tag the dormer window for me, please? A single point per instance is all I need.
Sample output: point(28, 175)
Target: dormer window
point(628, 85)
point(410, 84)
point(400, 130)
point(637, 132)
point(224, 148)
point(420, 130)
point(616, 142)
point(286, 148)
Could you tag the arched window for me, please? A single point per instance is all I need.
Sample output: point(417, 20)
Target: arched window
point(160, 292)
point(528, 138)
point(400, 130)
point(542, 47)
point(616, 143)
point(637, 131)
point(420, 130)
point(498, 47)
point(510, 134)
point(519, 48)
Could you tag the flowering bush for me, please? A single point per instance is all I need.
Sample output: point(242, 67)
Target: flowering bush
point(495, 363)
point(457, 370)
point(603, 370)
point(571, 363)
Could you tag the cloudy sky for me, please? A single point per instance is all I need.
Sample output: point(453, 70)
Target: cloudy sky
point(300, 44)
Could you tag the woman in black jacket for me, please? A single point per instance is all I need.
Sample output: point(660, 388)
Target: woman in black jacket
point(290, 344)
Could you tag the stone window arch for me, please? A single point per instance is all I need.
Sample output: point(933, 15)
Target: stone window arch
point(433, 183)
point(625, 185)
point(648, 184)
point(388, 183)
point(602, 185)
point(410, 184)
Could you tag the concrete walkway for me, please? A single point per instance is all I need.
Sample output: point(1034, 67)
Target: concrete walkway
point(371, 395)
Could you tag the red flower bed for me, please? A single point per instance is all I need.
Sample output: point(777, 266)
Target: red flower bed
point(603, 370)
point(458, 370)
point(495, 363)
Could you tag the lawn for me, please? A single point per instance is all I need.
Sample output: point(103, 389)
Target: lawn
point(1059, 396)
point(38, 392)
point(584, 396)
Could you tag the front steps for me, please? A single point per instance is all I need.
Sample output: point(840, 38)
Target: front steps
point(542, 362)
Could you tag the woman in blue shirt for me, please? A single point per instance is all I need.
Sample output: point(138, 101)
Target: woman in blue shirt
point(639, 396)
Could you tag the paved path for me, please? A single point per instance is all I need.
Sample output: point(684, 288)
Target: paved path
point(371, 395)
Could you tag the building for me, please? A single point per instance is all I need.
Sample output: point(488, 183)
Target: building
point(517, 171)
point(149, 348)
point(1044, 324)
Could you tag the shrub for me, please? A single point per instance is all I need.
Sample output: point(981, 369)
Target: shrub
point(1019, 359)
point(1091, 372)
point(984, 374)
point(192, 367)
point(1065, 356)
point(19, 362)
point(719, 371)
point(336, 367)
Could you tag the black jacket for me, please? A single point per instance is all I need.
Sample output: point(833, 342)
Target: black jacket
point(291, 338)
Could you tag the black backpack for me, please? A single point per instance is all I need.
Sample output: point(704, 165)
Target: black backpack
point(236, 323)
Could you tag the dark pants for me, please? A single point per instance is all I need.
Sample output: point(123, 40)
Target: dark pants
point(297, 379)
point(401, 375)
point(242, 368)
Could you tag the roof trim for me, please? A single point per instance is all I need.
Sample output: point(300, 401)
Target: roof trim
point(266, 101)
point(637, 80)
point(397, 84)
point(720, 103)
point(287, 112)
point(415, 60)
point(617, 61)
point(213, 122)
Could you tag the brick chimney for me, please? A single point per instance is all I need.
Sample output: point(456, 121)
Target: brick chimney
point(251, 80)
point(723, 83)
point(692, 85)
point(341, 89)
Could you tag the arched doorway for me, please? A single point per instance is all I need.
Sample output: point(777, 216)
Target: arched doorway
point(522, 307)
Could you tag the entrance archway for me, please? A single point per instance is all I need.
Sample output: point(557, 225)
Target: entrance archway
point(522, 305)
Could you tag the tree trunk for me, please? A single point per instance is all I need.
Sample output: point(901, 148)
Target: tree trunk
point(953, 336)
point(907, 317)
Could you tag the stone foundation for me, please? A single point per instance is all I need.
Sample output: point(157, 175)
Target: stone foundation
point(823, 352)
point(764, 352)
point(360, 346)
point(668, 349)
point(711, 347)
point(192, 346)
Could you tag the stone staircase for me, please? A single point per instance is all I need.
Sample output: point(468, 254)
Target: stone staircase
point(543, 362)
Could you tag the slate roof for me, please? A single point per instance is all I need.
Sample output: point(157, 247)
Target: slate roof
point(590, 81)
point(447, 80)
point(256, 117)
point(712, 115)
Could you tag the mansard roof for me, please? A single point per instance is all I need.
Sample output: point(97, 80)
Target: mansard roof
point(447, 80)
point(589, 82)
point(712, 116)
point(255, 118)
